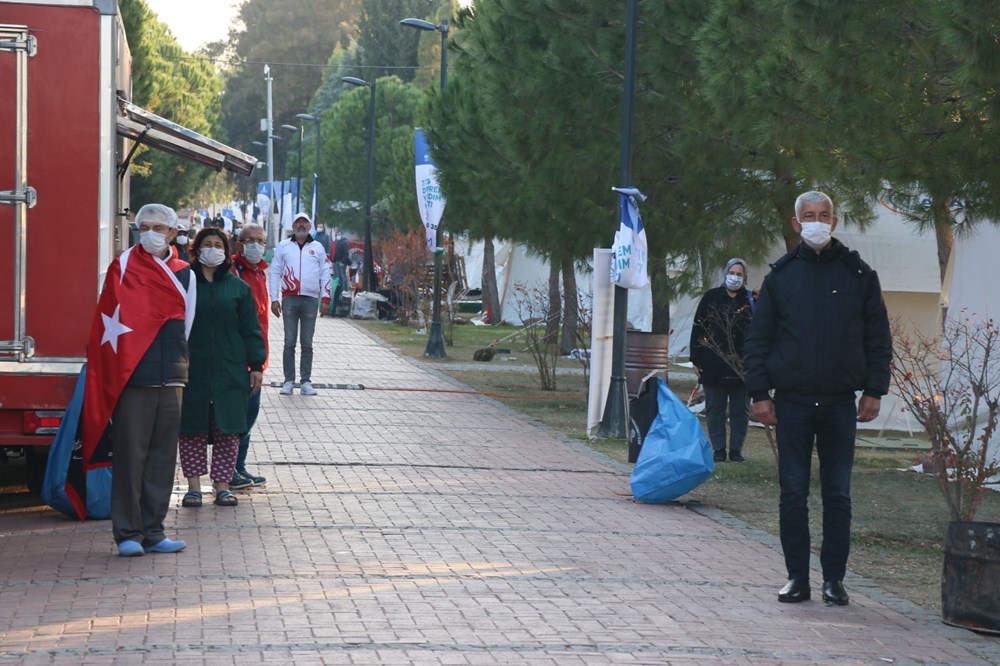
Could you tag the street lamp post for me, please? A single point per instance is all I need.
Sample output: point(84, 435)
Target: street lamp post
point(368, 271)
point(319, 135)
point(301, 131)
point(281, 201)
point(272, 223)
point(266, 225)
point(614, 423)
point(435, 338)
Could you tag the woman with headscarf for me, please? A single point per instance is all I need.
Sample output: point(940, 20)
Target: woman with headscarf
point(720, 325)
point(227, 358)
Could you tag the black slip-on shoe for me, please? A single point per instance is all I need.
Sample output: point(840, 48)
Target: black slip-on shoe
point(794, 591)
point(834, 593)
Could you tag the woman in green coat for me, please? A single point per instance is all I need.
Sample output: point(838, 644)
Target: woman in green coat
point(226, 355)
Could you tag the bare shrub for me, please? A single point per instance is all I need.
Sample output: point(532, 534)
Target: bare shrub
point(950, 383)
point(532, 305)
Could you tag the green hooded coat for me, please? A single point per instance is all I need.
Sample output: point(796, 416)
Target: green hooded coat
point(225, 344)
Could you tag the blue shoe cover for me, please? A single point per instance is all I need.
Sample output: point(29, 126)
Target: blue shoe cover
point(130, 549)
point(167, 546)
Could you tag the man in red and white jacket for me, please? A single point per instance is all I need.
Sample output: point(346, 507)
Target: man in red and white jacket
point(300, 274)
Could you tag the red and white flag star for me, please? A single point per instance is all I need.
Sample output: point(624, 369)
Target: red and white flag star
point(113, 327)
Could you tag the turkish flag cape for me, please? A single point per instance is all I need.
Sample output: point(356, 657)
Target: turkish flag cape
point(140, 294)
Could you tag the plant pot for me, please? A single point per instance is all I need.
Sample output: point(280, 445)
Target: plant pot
point(971, 576)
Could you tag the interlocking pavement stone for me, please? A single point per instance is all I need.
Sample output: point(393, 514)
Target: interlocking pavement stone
point(414, 522)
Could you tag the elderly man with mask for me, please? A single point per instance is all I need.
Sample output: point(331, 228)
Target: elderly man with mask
point(180, 243)
point(137, 367)
point(249, 265)
point(300, 275)
point(820, 334)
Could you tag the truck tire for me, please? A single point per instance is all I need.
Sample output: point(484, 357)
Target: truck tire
point(35, 460)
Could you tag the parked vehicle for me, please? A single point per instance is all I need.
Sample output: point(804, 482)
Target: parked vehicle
point(65, 86)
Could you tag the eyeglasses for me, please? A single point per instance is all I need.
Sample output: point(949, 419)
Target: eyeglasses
point(252, 242)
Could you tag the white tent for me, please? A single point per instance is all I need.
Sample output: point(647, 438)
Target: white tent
point(969, 288)
point(906, 262)
point(516, 263)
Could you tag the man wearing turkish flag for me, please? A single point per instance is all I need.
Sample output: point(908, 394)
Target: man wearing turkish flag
point(137, 367)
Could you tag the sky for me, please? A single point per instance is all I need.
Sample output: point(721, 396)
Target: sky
point(196, 22)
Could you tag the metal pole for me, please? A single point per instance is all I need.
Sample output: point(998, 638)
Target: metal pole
point(435, 337)
point(319, 135)
point(272, 221)
point(368, 274)
point(298, 196)
point(284, 170)
point(615, 420)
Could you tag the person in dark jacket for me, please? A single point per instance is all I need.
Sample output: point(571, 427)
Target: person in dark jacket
point(323, 237)
point(147, 413)
point(227, 359)
point(820, 333)
point(341, 260)
point(720, 326)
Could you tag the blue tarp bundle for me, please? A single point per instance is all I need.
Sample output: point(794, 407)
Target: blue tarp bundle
point(676, 455)
point(66, 445)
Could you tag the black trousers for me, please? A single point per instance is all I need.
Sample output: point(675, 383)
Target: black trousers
point(146, 425)
point(832, 429)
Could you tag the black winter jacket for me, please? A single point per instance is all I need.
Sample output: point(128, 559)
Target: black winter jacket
point(820, 330)
point(720, 325)
point(166, 360)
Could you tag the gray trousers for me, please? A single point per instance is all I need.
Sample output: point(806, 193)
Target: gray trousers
point(296, 310)
point(146, 425)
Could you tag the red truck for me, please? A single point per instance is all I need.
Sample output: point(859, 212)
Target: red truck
point(67, 134)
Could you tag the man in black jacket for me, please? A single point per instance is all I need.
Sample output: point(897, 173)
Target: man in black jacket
point(820, 333)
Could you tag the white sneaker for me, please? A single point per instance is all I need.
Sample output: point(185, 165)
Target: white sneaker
point(307, 389)
point(286, 388)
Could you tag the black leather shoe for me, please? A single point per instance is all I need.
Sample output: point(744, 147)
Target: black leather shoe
point(719, 456)
point(834, 593)
point(736, 457)
point(794, 591)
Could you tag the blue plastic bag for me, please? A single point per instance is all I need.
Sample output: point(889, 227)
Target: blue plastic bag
point(676, 455)
point(54, 483)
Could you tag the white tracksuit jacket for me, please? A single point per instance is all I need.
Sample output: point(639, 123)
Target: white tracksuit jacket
point(299, 270)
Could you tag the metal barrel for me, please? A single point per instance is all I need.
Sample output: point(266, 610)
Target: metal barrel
point(645, 352)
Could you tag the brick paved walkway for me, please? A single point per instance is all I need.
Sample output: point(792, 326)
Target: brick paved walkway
point(432, 528)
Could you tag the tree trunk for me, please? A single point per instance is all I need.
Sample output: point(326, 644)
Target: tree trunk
point(554, 313)
point(661, 294)
point(571, 316)
point(491, 295)
point(943, 230)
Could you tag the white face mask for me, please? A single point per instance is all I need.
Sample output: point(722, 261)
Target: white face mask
point(182, 240)
point(253, 252)
point(734, 282)
point(816, 234)
point(211, 256)
point(153, 242)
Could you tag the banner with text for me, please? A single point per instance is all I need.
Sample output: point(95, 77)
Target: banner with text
point(629, 264)
point(430, 201)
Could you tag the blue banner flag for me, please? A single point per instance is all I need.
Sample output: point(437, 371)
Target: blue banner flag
point(430, 200)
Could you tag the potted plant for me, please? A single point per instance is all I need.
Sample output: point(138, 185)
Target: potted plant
point(950, 383)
